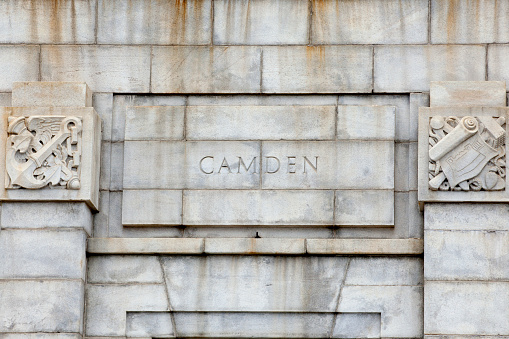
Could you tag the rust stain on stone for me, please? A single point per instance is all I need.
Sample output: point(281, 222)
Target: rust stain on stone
point(451, 18)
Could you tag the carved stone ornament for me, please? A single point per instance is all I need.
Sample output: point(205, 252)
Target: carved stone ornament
point(43, 151)
point(467, 153)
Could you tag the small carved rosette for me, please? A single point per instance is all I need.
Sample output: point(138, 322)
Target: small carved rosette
point(43, 151)
point(467, 153)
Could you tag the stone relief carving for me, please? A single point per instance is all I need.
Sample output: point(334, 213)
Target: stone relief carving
point(467, 153)
point(43, 151)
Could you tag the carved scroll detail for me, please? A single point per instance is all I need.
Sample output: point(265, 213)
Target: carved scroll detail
point(43, 151)
point(467, 153)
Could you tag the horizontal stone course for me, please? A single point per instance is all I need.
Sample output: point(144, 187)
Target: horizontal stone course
point(467, 93)
point(254, 245)
point(154, 123)
point(366, 122)
point(364, 207)
point(151, 207)
point(121, 269)
point(18, 63)
point(51, 94)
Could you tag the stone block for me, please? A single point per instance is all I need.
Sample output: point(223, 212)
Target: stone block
point(467, 93)
point(123, 269)
point(145, 245)
point(465, 22)
point(51, 94)
point(5, 99)
point(41, 306)
point(79, 180)
point(411, 68)
point(42, 254)
point(18, 63)
point(203, 69)
point(149, 324)
point(40, 22)
point(466, 308)
point(107, 306)
point(416, 100)
point(267, 207)
point(103, 105)
point(466, 255)
point(154, 22)
point(317, 69)
point(415, 217)
point(385, 271)
point(117, 166)
point(154, 123)
point(348, 164)
point(400, 307)
point(101, 219)
point(41, 336)
point(498, 63)
point(104, 68)
point(105, 175)
point(46, 215)
point(369, 22)
point(466, 217)
point(366, 122)
point(120, 104)
point(253, 283)
point(254, 245)
point(151, 208)
point(370, 208)
point(260, 123)
point(263, 100)
point(264, 22)
point(364, 246)
point(357, 325)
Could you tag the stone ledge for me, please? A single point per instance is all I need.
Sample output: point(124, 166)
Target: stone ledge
point(253, 246)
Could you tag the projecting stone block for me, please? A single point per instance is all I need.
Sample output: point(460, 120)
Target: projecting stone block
point(122, 269)
point(467, 217)
point(260, 123)
point(370, 22)
point(18, 63)
point(317, 69)
point(154, 123)
point(366, 122)
point(145, 245)
point(51, 94)
point(203, 69)
point(467, 93)
point(264, 22)
point(104, 68)
point(159, 23)
point(258, 207)
point(41, 306)
point(411, 68)
point(364, 246)
point(151, 208)
point(254, 245)
point(62, 146)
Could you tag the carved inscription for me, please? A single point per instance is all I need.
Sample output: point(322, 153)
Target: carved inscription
point(467, 153)
point(43, 151)
point(270, 164)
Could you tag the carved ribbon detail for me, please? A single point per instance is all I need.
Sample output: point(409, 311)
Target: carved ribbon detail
point(43, 151)
point(466, 153)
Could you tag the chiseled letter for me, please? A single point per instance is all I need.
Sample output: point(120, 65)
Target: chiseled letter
point(201, 164)
point(267, 165)
point(225, 164)
point(291, 162)
point(315, 167)
point(253, 163)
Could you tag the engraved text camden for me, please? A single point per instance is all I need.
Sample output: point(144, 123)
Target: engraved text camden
point(467, 153)
point(271, 164)
point(43, 151)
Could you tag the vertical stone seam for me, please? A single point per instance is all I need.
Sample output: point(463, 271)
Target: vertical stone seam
point(486, 62)
point(310, 20)
point(212, 28)
point(186, 106)
point(96, 24)
point(165, 282)
point(150, 69)
point(372, 69)
point(338, 300)
point(40, 64)
point(261, 70)
point(260, 186)
point(429, 22)
point(336, 119)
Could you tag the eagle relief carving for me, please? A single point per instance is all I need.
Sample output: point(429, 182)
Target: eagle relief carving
point(467, 153)
point(43, 151)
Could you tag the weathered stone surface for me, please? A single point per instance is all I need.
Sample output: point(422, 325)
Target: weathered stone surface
point(466, 22)
point(5, 99)
point(41, 306)
point(263, 100)
point(103, 105)
point(101, 219)
point(254, 245)
point(467, 93)
point(498, 63)
point(264, 22)
point(364, 208)
point(317, 69)
point(357, 325)
point(107, 306)
point(366, 122)
point(42, 254)
point(151, 208)
point(149, 324)
point(364, 246)
point(466, 308)
point(384, 271)
point(42, 22)
point(145, 245)
point(260, 123)
point(416, 100)
point(206, 69)
point(41, 336)
point(339, 165)
point(51, 94)
point(154, 123)
point(411, 68)
point(120, 269)
point(116, 169)
point(405, 167)
point(253, 283)
point(154, 22)
point(105, 177)
point(265, 207)
point(18, 63)
point(369, 22)
point(466, 217)
point(400, 307)
point(103, 68)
